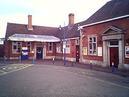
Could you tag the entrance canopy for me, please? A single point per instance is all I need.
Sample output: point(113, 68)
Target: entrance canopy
point(31, 37)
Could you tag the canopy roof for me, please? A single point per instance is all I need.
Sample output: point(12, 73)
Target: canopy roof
point(32, 37)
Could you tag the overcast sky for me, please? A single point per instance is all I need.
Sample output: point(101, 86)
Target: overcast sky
point(46, 12)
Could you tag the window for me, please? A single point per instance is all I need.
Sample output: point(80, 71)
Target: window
point(58, 48)
point(68, 46)
point(50, 46)
point(16, 47)
point(28, 45)
point(92, 44)
point(115, 42)
point(77, 41)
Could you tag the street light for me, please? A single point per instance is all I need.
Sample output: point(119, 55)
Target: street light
point(64, 43)
point(81, 36)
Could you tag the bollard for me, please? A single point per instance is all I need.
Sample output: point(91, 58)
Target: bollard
point(72, 63)
point(4, 59)
point(33, 61)
point(53, 60)
point(113, 67)
point(91, 65)
point(19, 59)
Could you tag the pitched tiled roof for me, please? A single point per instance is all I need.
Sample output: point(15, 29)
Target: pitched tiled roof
point(13, 28)
point(112, 9)
point(70, 31)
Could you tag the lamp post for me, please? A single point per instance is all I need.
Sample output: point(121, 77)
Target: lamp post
point(81, 36)
point(64, 44)
point(33, 60)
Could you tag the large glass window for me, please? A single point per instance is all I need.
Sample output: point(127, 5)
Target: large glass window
point(16, 47)
point(92, 44)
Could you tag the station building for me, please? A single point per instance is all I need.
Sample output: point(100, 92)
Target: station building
point(102, 39)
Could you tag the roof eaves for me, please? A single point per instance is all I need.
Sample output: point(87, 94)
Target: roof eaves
point(104, 21)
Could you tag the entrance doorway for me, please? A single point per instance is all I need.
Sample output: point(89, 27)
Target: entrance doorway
point(39, 53)
point(113, 46)
point(77, 53)
point(114, 56)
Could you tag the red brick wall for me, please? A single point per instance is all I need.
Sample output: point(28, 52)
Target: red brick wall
point(99, 29)
point(52, 53)
point(72, 53)
point(8, 50)
point(61, 53)
point(72, 48)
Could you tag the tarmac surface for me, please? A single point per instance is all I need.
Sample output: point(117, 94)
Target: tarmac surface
point(48, 79)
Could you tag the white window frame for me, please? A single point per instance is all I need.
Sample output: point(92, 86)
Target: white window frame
point(91, 51)
point(68, 43)
point(77, 41)
point(50, 44)
point(58, 48)
point(28, 45)
point(15, 51)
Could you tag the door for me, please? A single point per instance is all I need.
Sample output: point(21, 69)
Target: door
point(39, 53)
point(114, 56)
point(77, 53)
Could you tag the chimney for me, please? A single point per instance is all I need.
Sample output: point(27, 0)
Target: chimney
point(71, 19)
point(30, 22)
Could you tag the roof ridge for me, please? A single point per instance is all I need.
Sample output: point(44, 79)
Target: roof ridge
point(32, 25)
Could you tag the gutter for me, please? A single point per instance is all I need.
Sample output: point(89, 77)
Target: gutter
point(104, 21)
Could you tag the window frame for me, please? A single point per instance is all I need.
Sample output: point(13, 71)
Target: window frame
point(50, 44)
point(92, 39)
point(28, 46)
point(58, 48)
point(68, 43)
point(16, 43)
point(77, 42)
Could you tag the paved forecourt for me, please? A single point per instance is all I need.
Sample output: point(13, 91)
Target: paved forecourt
point(12, 68)
point(60, 81)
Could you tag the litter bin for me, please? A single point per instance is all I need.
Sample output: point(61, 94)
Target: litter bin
point(24, 53)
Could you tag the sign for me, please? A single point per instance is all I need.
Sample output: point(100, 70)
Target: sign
point(64, 44)
point(24, 54)
point(84, 50)
point(126, 51)
point(99, 51)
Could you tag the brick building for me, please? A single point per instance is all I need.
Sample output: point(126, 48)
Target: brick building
point(105, 35)
point(103, 39)
point(42, 42)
